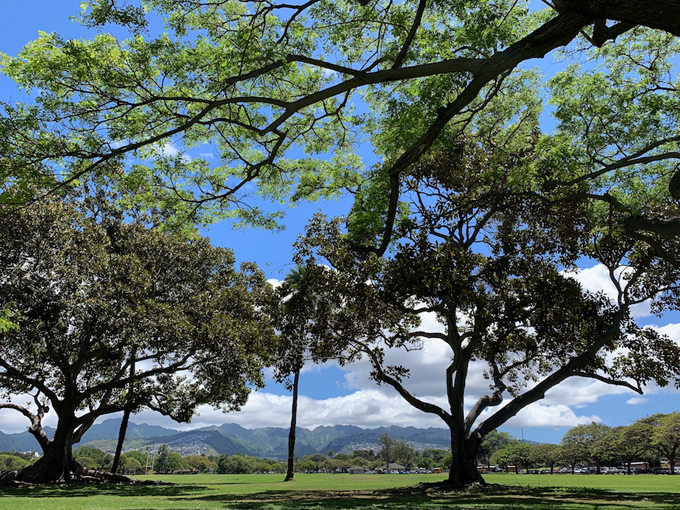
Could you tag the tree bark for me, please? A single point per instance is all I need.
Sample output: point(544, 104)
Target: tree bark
point(126, 419)
point(121, 439)
point(660, 14)
point(57, 463)
point(464, 463)
point(290, 474)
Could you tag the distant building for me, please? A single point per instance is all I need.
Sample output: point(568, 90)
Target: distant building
point(392, 466)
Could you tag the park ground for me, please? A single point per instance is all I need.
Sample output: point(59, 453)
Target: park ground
point(360, 492)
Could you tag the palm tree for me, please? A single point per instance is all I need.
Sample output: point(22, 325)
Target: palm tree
point(294, 280)
point(122, 432)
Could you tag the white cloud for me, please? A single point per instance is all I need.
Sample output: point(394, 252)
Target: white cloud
point(169, 150)
point(671, 330)
point(544, 415)
point(596, 279)
point(365, 408)
point(635, 401)
point(274, 282)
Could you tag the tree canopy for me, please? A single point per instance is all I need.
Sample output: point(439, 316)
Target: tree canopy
point(484, 249)
point(271, 90)
point(485, 210)
point(93, 296)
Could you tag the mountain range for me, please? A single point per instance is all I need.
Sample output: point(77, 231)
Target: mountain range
point(230, 438)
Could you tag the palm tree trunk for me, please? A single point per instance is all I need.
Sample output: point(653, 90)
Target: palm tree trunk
point(121, 439)
point(290, 476)
point(124, 423)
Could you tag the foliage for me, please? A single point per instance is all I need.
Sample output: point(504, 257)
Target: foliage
point(497, 211)
point(269, 92)
point(94, 294)
point(483, 250)
point(11, 463)
point(387, 445)
point(546, 455)
point(404, 454)
point(167, 461)
point(588, 442)
point(199, 464)
point(632, 442)
point(666, 438)
point(93, 458)
point(517, 454)
point(243, 464)
point(493, 442)
point(5, 323)
point(131, 466)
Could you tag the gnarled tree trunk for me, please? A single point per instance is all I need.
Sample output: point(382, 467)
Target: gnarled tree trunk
point(57, 463)
point(464, 463)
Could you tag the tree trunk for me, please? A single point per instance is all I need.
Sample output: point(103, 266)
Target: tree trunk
point(121, 439)
point(463, 466)
point(57, 463)
point(290, 474)
point(126, 418)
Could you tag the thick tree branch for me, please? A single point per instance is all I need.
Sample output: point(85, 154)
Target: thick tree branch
point(35, 429)
point(411, 34)
point(570, 368)
point(554, 34)
point(16, 375)
point(660, 14)
point(602, 33)
point(669, 227)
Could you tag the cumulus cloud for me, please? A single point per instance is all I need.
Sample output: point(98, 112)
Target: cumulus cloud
point(365, 408)
point(12, 421)
point(596, 279)
point(636, 401)
point(545, 415)
point(170, 150)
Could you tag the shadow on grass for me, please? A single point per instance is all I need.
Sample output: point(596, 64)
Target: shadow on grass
point(428, 497)
point(423, 496)
point(88, 491)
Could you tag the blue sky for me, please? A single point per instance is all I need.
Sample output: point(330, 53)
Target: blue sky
point(329, 394)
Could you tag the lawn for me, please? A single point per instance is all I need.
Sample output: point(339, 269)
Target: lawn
point(360, 492)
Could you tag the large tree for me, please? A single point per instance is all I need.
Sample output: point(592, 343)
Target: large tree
point(249, 81)
point(666, 437)
point(112, 315)
point(484, 249)
point(632, 443)
point(592, 442)
point(252, 81)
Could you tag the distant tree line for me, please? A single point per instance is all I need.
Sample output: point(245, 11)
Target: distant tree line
point(652, 441)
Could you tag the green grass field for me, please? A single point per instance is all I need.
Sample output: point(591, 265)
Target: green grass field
point(360, 492)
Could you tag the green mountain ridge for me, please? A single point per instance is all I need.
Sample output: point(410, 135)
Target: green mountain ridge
point(230, 439)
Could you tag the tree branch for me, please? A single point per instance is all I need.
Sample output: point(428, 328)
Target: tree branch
point(35, 429)
point(567, 370)
point(613, 382)
point(405, 394)
point(411, 34)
